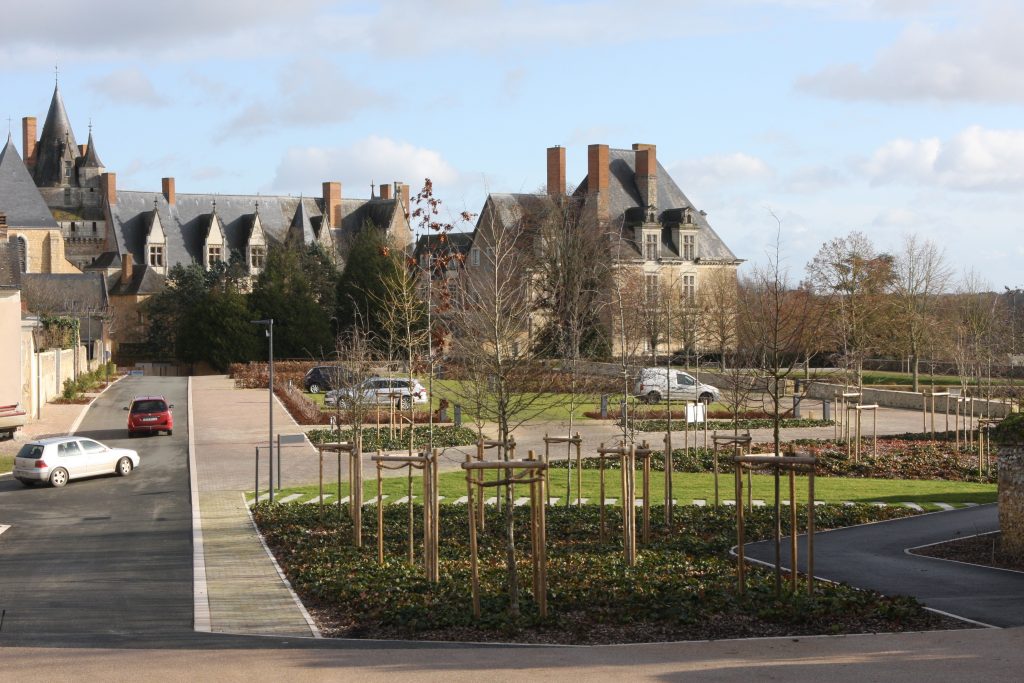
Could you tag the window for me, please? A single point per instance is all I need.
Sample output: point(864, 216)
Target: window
point(94, 227)
point(474, 257)
point(68, 449)
point(23, 253)
point(156, 255)
point(73, 226)
point(213, 255)
point(650, 246)
point(689, 287)
point(651, 289)
point(689, 247)
point(67, 169)
point(684, 380)
point(257, 257)
point(90, 446)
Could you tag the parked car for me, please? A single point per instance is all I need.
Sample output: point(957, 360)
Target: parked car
point(652, 385)
point(148, 414)
point(60, 459)
point(382, 390)
point(324, 378)
point(12, 418)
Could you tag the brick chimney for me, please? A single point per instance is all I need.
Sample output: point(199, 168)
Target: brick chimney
point(28, 140)
point(647, 173)
point(108, 187)
point(556, 171)
point(126, 269)
point(168, 188)
point(597, 182)
point(403, 193)
point(332, 202)
point(385, 191)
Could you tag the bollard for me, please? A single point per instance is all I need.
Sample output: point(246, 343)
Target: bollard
point(604, 406)
point(796, 406)
point(458, 416)
point(826, 410)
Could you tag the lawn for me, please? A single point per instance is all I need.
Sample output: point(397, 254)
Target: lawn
point(690, 486)
point(907, 379)
point(6, 463)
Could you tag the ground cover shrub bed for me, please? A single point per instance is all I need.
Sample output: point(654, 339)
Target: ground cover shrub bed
point(897, 459)
point(683, 586)
point(444, 437)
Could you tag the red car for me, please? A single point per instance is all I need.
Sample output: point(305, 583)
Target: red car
point(149, 414)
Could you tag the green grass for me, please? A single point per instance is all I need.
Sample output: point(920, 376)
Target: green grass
point(690, 486)
point(906, 379)
point(6, 463)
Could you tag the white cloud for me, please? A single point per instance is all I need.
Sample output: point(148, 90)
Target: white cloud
point(128, 86)
point(718, 169)
point(374, 159)
point(974, 159)
point(309, 92)
point(983, 62)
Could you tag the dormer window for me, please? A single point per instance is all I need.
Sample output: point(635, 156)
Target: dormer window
point(689, 247)
point(156, 255)
point(650, 246)
point(687, 217)
point(213, 255)
point(257, 257)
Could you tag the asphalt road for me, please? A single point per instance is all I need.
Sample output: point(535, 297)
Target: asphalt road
point(109, 556)
point(873, 556)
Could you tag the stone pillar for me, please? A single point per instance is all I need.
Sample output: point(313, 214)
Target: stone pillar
point(1009, 436)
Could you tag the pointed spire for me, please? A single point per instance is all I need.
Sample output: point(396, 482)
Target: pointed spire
point(91, 159)
point(56, 140)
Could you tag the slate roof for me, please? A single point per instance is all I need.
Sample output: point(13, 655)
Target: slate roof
point(63, 293)
point(624, 195)
point(459, 242)
point(144, 280)
point(10, 265)
point(92, 159)
point(108, 259)
point(19, 196)
point(185, 224)
point(56, 139)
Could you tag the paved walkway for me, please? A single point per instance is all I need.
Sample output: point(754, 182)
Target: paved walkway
point(245, 591)
point(873, 556)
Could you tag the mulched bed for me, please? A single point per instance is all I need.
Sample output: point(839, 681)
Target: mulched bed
point(682, 588)
point(983, 549)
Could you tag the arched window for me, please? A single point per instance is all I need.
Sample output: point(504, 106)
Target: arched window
point(23, 253)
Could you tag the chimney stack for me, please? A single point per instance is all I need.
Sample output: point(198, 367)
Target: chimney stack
point(168, 189)
point(332, 202)
point(556, 171)
point(108, 186)
point(647, 173)
point(385, 191)
point(28, 140)
point(597, 182)
point(403, 194)
point(126, 269)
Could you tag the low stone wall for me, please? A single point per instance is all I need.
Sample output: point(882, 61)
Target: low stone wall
point(909, 400)
point(1011, 498)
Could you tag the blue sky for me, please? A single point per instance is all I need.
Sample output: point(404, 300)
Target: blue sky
point(885, 116)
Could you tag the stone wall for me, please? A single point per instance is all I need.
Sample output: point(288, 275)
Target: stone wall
point(1011, 498)
point(909, 400)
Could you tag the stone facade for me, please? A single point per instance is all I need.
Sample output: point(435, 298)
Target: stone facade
point(1011, 498)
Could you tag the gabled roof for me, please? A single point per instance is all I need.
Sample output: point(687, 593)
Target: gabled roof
point(105, 261)
point(56, 140)
point(92, 159)
point(623, 195)
point(19, 196)
point(301, 229)
point(62, 293)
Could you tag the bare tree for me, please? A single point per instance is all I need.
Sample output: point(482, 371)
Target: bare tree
point(490, 337)
point(717, 303)
point(920, 276)
point(855, 277)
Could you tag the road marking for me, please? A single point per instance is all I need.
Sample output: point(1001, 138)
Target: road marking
point(81, 416)
point(4, 527)
point(200, 590)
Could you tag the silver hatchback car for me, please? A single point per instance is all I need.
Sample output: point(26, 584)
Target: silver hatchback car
point(60, 459)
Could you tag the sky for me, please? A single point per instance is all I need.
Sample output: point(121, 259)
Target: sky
point(889, 117)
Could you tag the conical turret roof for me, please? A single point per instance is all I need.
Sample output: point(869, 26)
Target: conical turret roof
point(92, 159)
point(56, 140)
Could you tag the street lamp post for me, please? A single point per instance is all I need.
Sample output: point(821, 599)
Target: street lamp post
point(270, 438)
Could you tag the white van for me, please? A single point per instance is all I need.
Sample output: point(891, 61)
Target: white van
point(652, 385)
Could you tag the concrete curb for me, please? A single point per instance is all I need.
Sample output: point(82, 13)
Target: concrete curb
point(200, 591)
